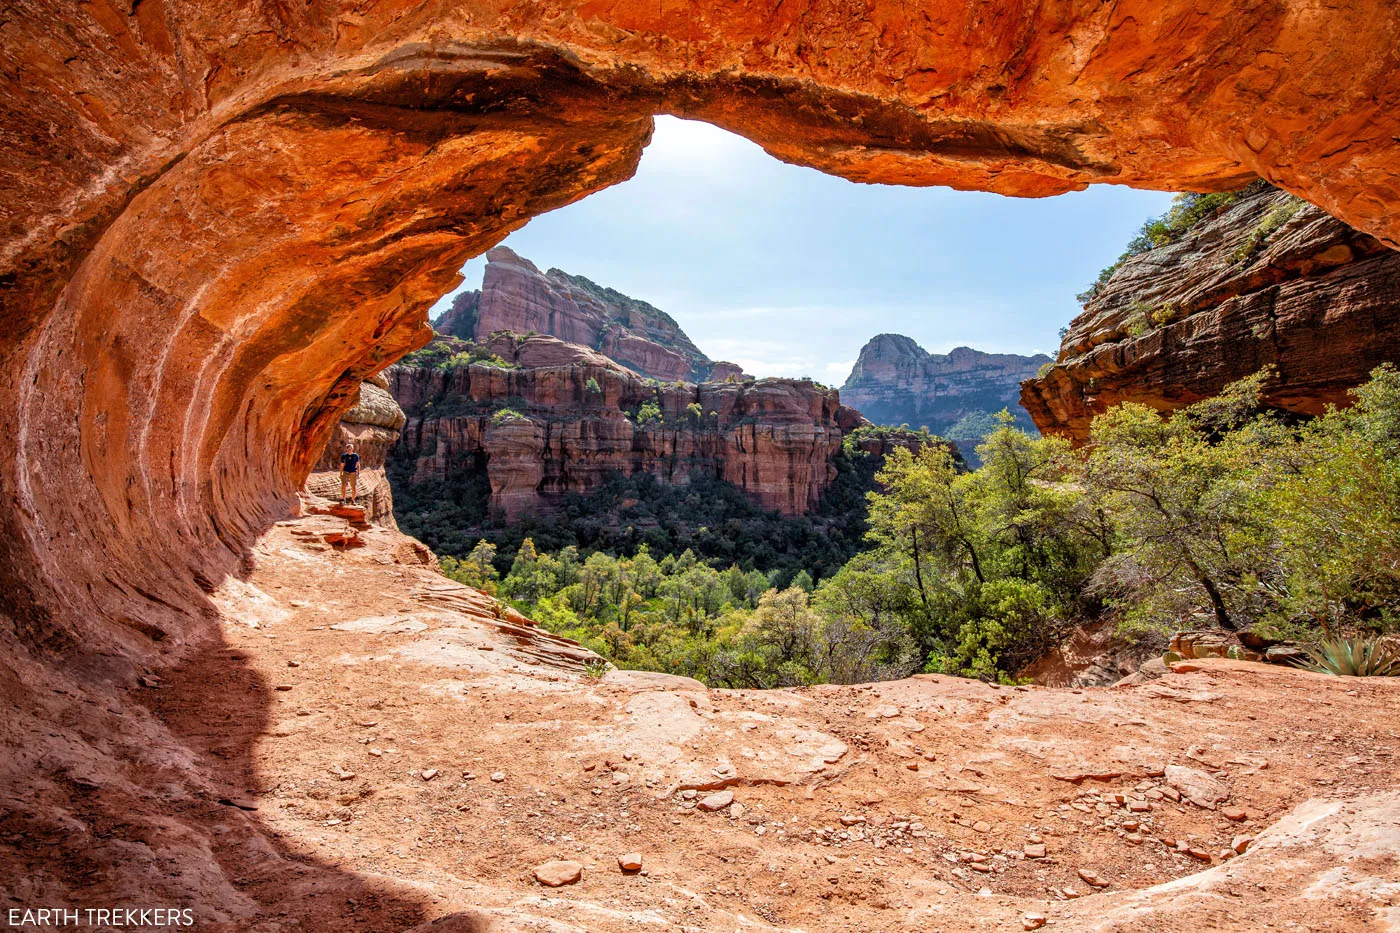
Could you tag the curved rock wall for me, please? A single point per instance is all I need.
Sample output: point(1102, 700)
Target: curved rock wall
point(1315, 298)
point(543, 431)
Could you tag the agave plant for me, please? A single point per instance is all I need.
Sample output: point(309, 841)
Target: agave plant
point(1353, 657)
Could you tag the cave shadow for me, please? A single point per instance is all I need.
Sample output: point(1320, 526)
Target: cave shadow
point(218, 706)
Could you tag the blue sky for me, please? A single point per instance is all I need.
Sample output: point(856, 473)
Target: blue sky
point(787, 271)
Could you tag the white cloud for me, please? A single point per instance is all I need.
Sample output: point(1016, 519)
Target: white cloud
point(840, 369)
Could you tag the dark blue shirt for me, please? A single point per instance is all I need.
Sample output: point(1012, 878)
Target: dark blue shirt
point(350, 463)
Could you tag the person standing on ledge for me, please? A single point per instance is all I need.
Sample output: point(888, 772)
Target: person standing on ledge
point(349, 472)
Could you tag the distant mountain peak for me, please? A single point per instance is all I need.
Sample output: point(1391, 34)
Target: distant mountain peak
point(516, 296)
point(896, 381)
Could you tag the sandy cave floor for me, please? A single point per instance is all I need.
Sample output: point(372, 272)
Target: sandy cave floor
point(912, 805)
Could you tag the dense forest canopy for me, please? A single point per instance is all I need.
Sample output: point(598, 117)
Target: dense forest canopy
point(1219, 515)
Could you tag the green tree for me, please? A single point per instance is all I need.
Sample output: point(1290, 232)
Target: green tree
point(1179, 493)
point(1336, 510)
point(477, 569)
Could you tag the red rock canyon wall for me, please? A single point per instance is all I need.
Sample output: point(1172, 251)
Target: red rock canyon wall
point(773, 438)
point(1315, 299)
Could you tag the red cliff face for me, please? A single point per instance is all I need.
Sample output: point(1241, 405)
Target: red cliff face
point(570, 416)
point(1269, 280)
point(517, 297)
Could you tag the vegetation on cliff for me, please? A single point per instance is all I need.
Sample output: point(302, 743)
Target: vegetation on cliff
point(1188, 210)
point(1219, 515)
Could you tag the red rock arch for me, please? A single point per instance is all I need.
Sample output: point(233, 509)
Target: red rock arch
point(217, 220)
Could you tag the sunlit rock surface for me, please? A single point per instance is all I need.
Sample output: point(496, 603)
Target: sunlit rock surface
point(570, 417)
point(1314, 298)
point(516, 296)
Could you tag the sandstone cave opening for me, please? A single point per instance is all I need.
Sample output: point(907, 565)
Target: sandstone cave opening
point(224, 226)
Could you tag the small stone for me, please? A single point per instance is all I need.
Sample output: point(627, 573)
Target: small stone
point(376, 752)
point(1033, 921)
point(1035, 850)
point(716, 801)
point(1234, 814)
point(1241, 844)
point(982, 826)
point(429, 774)
point(558, 873)
point(912, 765)
point(851, 820)
point(284, 687)
point(498, 776)
point(1092, 878)
point(632, 861)
point(294, 664)
point(244, 803)
point(1199, 854)
point(736, 810)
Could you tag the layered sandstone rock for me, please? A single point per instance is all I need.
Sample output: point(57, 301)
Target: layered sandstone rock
point(896, 381)
point(197, 194)
point(517, 297)
point(373, 424)
point(1267, 281)
point(569, 416)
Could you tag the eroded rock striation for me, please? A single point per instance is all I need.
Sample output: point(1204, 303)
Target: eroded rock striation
point(1269, 280)
point(896, 381)
point(566, 416)
point(517, 297)
point(373, 424)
